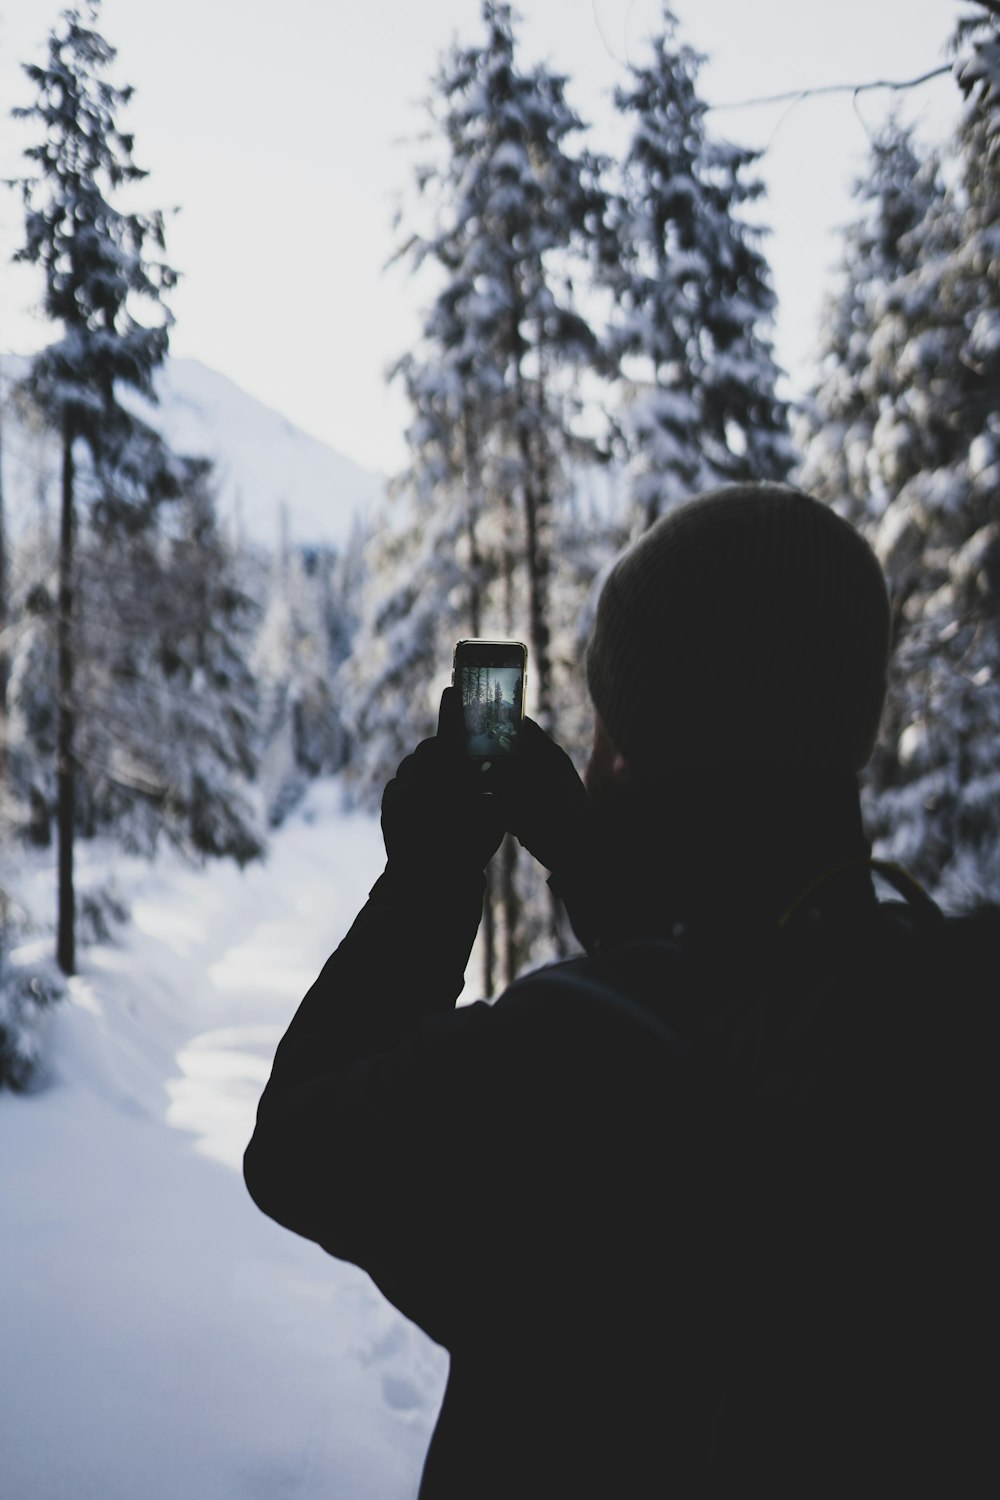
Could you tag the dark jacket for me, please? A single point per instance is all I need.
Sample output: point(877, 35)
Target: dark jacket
point(689, 1214)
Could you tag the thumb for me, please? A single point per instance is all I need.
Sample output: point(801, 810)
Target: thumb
point(451, 720)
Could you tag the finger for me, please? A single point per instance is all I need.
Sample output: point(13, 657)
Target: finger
point(409, 766)
point(402, 773)
point(389, 794)
point(451, 719)
point(533, 733)
point(540, 748)
point(537, 741)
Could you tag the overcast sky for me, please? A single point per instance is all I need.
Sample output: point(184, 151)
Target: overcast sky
point(283, 134)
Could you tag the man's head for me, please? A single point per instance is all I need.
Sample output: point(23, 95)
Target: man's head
point(749, 625)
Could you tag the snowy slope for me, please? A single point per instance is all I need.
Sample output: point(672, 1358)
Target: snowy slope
point(161, 1337)
point(264, 463)
point(270, 475)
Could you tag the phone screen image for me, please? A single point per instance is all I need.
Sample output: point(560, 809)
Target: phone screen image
point(490, 678)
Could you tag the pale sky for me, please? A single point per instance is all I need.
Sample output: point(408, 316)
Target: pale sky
point(283, 133)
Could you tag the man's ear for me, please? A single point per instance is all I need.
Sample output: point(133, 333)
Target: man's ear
point(607, 767)
point(621, 770)
point(618, 768)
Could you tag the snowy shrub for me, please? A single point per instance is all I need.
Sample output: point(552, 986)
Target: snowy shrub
point(99, 912)
point(26, 992)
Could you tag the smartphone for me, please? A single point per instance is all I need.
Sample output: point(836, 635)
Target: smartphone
point(490, 676)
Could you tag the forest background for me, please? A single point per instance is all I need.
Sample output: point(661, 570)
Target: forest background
point(597, 342)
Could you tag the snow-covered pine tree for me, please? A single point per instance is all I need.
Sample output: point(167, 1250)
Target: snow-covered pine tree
point(933, 471)
point(423, 577)
point(93, 259)
point(505, 343)
point(24, 995)
point(867, 434)
point(4, 613)
point(693, 293)
point(976, 45)
point(494, 385)
point(305, 635)
point(167, 722)
point(858, 385)
point(942, 799)
point(30, 790)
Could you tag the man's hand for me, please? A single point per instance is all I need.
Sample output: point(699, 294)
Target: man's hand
point(544, 802)
point(436, 820)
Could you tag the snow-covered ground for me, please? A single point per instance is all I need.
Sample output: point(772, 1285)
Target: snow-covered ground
point(161, 1339)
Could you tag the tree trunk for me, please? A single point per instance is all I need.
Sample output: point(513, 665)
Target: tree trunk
point(4, 615)
point(537, 505)
point(65, 767)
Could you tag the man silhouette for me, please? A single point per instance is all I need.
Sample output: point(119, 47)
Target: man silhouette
point(695, 1212)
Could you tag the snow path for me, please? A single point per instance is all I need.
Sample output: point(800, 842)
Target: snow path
point(161, 1338)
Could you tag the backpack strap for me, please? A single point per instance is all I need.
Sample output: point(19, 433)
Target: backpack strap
point(902, 882)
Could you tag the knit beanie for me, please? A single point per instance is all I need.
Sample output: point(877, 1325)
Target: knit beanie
point(749, 624)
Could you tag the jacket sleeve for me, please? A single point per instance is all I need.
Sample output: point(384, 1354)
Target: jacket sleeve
point(362, 1129)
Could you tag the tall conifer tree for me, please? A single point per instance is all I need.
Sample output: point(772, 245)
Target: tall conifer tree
point(167, 724)
point(93, 257)
point(928, 498)
point(941, 537)
point(859, 388)
point(496, 378)
point(694, 295)
point(494, 385)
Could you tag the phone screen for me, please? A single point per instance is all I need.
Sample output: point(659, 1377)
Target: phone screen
point(490, 677)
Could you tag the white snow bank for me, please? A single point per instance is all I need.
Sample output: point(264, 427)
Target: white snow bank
point(161, 1338)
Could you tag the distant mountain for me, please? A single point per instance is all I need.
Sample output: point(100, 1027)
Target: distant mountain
point(270, 475)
